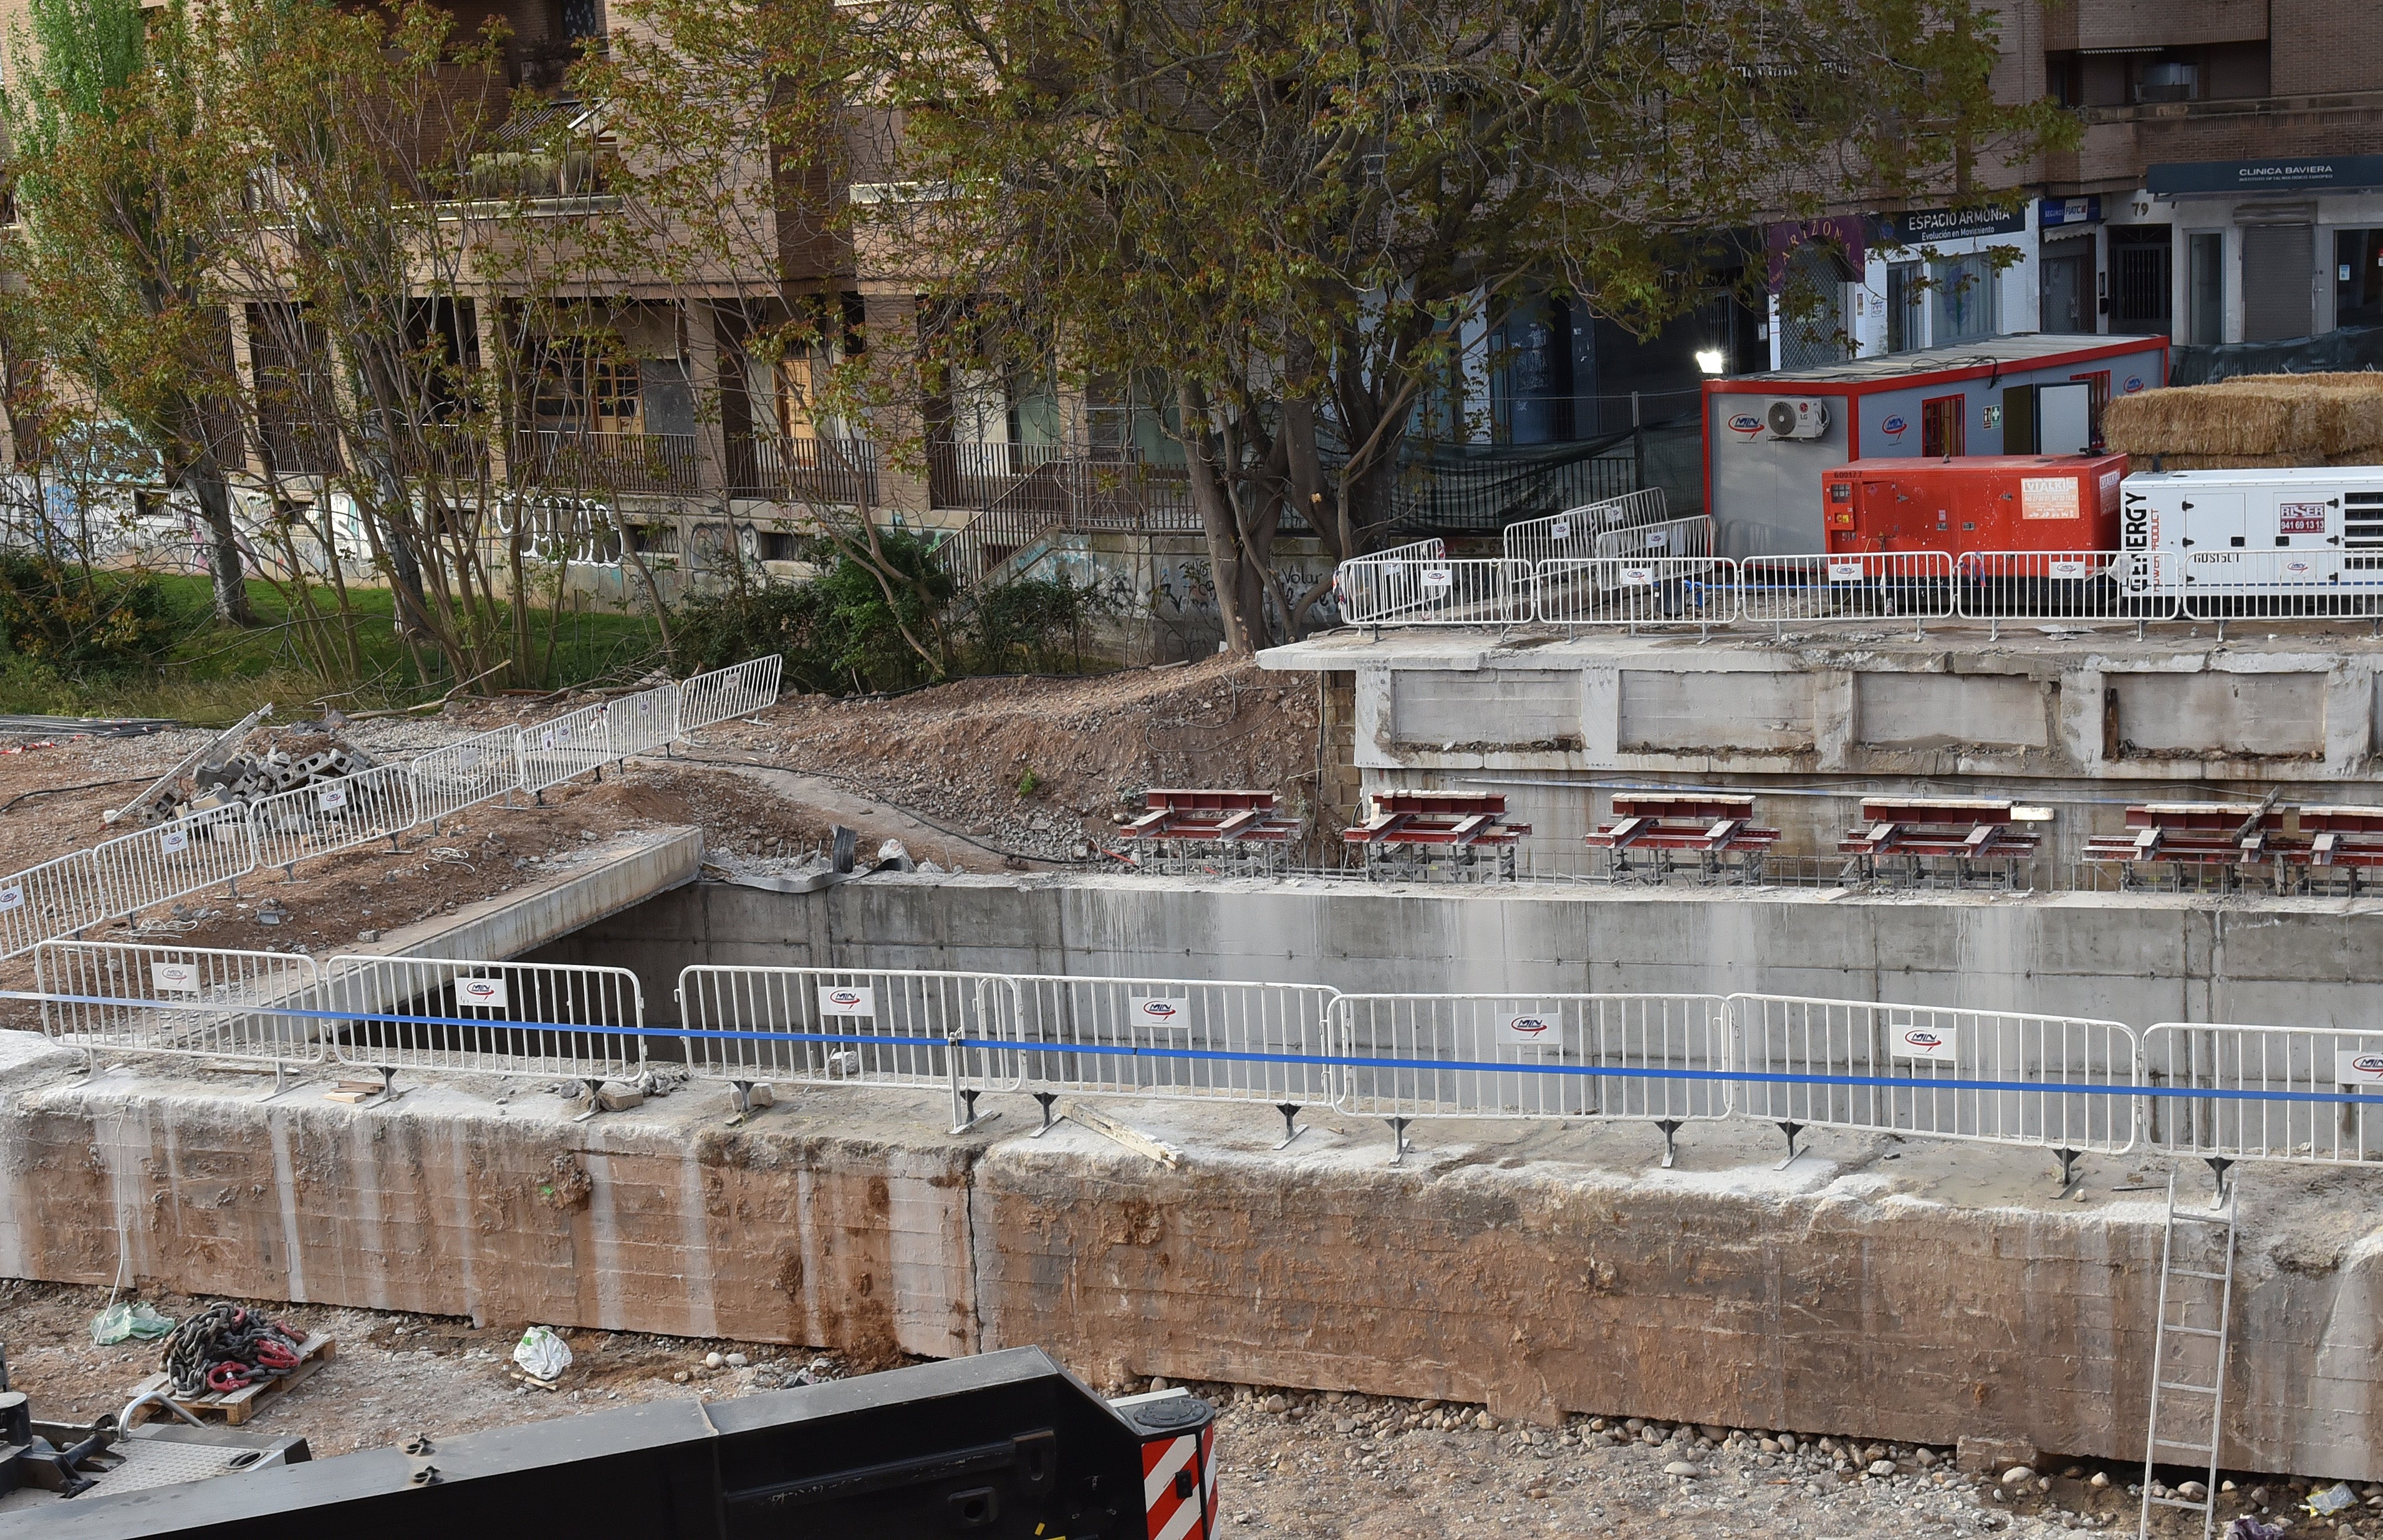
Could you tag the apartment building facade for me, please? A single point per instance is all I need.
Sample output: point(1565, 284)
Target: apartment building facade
point(2227, 186)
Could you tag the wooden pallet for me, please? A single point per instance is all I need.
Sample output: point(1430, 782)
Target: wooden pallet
point(235, 1407)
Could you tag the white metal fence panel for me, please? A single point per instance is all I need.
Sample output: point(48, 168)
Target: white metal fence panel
point(1535, 1055)
point(464, 775)
point(2037, 1071)
point(2064, 585)
point(1698, 590)
point(569, 745)
point(644, 723)
point(1370, 585)
point(1179, 1038)
point(2225, 582)
point(332, 816)
point(1773, 589)
point(484, 1018)
point(1692, 537)
point(1443, 591)
point(2282, 1094)
point(199, 1001)
point(1574, 532)
point(850, 1026)
point(122, 876)
point(736, 691)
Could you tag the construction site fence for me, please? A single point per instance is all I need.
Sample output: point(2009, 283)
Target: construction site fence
point(1661, 570)
point(2066, 1085)
point(1577, 531)
point(212, 847)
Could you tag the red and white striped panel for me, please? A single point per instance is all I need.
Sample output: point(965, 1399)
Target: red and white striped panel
point(1178, 1485)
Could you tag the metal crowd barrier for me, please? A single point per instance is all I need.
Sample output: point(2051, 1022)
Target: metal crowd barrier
point(1636, 590)
point(562, 749)
point(1175, 1038)
point(2285, 1093)
point(331, 816)
point(1444, 591)
point(1479, 1055)
point(735, 690)
point(2065, 586)
point(644, 723)
point(1773, 590)
point(123, 876)
point(468, 1017)
point(892, 1028)
point(464, 775)
point(1832, 1063)
point(1576, 531)
point(198, 1001)
point(2225, 584)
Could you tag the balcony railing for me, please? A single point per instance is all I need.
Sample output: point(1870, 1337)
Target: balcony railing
point(566, 459)
point(1060, 485)
point(804, 469)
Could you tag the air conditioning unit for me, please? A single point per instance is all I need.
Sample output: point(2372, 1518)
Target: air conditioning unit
point(1797, 419)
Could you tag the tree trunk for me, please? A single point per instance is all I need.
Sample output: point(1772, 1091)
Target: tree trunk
point(1212, 499)
point(223, 560)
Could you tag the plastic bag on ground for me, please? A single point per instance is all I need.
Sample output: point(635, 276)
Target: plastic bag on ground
point(541, 1354)
point(2248, 1528)
point(128, 1319)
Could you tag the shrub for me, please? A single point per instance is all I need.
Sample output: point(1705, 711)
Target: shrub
point(77, 620)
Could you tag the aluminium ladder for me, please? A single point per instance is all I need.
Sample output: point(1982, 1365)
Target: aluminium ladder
point(2188, 1352)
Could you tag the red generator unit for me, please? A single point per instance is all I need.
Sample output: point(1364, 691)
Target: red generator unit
point(1979, 502)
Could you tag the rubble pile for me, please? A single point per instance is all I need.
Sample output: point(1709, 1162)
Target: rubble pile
point(267, 762)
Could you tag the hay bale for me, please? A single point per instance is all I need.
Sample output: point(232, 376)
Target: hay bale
point(2254, 421)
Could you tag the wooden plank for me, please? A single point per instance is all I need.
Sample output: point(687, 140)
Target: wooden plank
point(1109, 1127)
point(236, 1407)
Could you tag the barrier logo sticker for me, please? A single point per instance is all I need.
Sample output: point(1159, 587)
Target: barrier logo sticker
point(333, 798)
point(1637, 577)
point(2357, 1071)
point(848, 1000)
point(174, 978)
point(487, 995)
point(1844, 572)
point(2070, 566)
point(1437, 577)
point(1930, 1044)
point(1163, 1010)
point(1529, 1026)
point(173, 841)
point(546, 739)
point(1560, 530)
point(11, 898)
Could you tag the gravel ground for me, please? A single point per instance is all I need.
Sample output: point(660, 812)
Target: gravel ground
point(1292, 1463)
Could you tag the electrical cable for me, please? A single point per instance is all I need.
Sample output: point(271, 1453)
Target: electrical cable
point(86, 786)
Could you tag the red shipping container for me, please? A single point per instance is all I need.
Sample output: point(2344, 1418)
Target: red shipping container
point(1979, 502)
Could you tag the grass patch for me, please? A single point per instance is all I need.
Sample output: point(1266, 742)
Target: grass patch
point(218, 674)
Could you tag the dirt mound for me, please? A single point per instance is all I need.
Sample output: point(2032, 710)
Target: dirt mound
point(1048, 767)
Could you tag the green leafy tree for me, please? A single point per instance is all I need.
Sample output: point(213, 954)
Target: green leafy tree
point(1299, 212)
point(120, 181)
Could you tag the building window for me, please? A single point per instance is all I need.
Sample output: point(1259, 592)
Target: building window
point(2206, 280)
point(2358, 279)
point(1904, 292)
point(1944, 427)
point(1964, 292)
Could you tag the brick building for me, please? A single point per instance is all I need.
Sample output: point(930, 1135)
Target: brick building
point(2227, 187)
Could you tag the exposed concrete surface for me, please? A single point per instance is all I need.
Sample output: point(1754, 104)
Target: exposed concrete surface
point(1876, 1287)
point(2069, 714)
point(2138, 958)
point(626, 870)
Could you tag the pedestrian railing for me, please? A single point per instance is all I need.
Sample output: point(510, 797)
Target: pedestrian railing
point(121, 877)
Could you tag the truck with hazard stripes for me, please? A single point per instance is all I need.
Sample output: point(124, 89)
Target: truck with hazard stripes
point(1008, 1446)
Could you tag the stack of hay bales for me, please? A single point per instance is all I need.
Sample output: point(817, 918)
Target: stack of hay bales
point(2252, 423)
